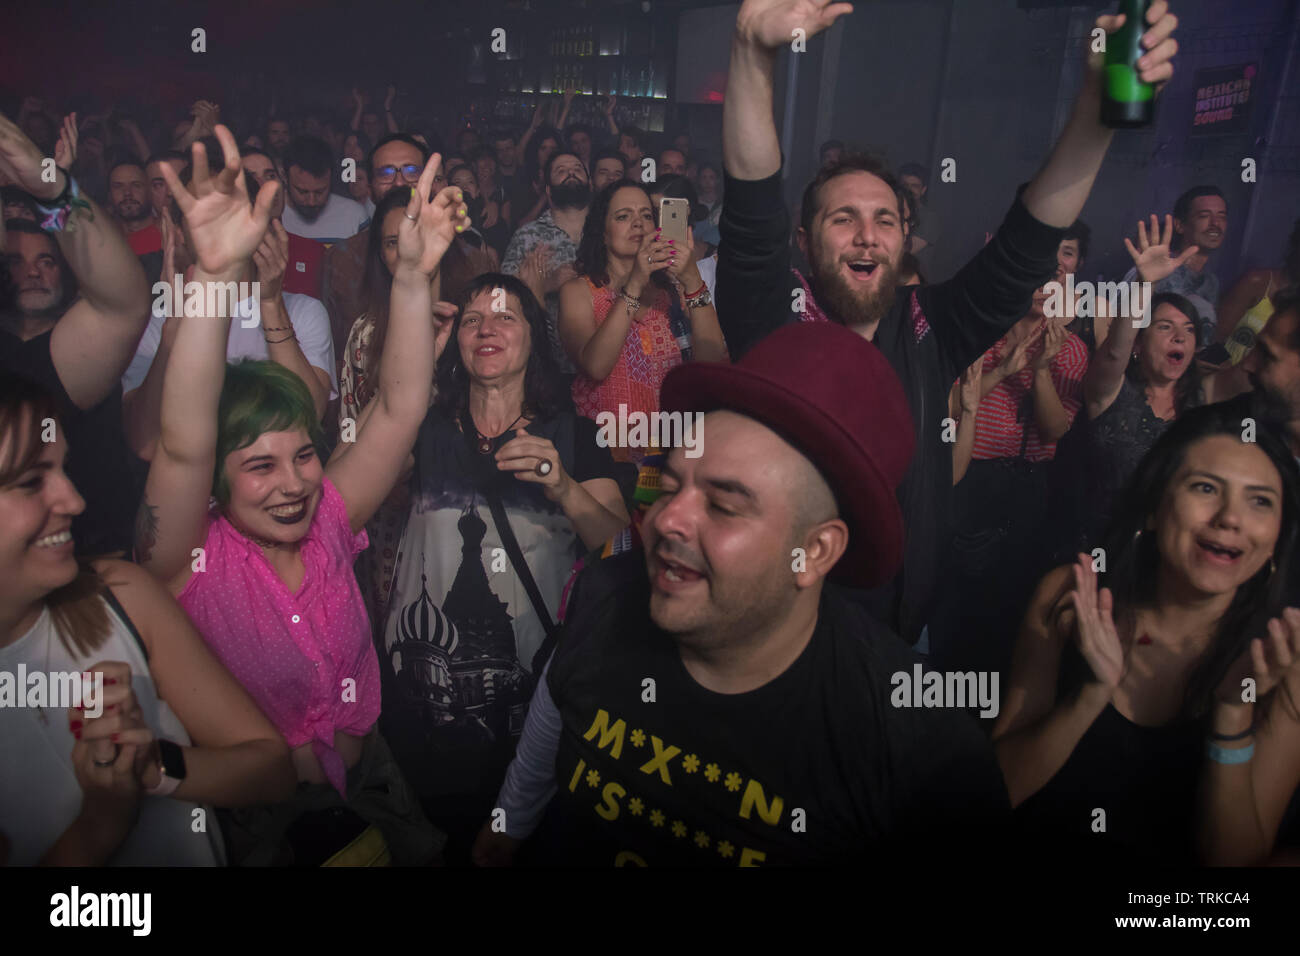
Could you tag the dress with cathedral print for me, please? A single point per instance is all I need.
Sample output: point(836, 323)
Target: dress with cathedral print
point(460, 634)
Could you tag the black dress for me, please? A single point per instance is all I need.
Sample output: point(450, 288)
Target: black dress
point(1118, 440)
point(1143, 778)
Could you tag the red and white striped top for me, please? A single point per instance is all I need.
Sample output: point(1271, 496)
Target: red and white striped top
point(998, 433)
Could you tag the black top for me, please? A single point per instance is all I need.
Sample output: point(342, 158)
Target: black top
point(1144, 778)
point(1118, 440)
point(461, 634)
point(100, 463)
point(815, 767)
point(930, 335)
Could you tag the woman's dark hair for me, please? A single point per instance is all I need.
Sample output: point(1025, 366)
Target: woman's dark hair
point(1133, 561)
point(1187, 393)
point(80, 617)
point(532, 164)
point(593, 256)
point(544, 391)
point(377, 281)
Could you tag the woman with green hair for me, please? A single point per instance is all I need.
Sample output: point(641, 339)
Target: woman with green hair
point(265, 570)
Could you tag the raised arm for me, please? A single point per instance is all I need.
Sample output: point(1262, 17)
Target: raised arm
point(1153, 261)
point(282, 346)
point(750, 147)
point(1056, 195)
point(225, 229)
point(93, 342)
point(366, 474)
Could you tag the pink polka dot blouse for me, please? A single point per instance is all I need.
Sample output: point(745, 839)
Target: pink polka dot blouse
point(306, 658)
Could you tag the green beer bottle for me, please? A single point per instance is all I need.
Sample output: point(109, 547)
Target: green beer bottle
point(1127, 102)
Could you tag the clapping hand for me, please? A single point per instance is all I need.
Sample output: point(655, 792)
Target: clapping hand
point(225, 228)
point(1053, 339)
point(65, 150)
point(1268, 660)
point(1099, 641)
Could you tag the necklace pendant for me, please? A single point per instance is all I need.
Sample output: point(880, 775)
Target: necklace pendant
point(484, 446)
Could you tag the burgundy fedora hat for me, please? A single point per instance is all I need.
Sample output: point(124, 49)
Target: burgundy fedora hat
point(831, 394)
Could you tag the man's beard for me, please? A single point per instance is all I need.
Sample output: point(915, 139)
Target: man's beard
point(1275, 405)
point(140, 211)
point(309, 213)
point(850, 307)
point(40, 305)
point(571, 194)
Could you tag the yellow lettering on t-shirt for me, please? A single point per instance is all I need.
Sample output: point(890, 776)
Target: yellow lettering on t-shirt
point(609, 796)
point(755, 798)
point(607, 733)
point(660, 760)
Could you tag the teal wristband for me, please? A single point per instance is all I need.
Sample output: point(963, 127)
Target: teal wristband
point(1223, 755)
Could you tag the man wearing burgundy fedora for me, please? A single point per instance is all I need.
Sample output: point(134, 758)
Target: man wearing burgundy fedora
point(716, 699)
point(852, 233)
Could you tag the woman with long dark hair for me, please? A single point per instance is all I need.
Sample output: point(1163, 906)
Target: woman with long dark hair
point(510, 487)
point(637, 308)
point(118, 781)
point(1121, 656)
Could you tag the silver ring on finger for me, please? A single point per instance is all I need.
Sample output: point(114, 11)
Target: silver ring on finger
point(117, 749)
point(410, 217)
point(543, 467)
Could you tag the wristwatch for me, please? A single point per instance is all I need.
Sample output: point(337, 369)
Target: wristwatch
point(171, 767)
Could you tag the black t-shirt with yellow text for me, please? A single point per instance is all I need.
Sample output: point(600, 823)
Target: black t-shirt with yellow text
point(814, 768)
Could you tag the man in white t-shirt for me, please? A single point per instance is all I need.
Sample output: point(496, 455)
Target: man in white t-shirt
point(290, 329)
point(313, 211)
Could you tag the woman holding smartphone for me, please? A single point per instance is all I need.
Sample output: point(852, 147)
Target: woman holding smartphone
point(636, 309)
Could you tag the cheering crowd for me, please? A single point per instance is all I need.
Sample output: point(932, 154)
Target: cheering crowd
point(299, 450)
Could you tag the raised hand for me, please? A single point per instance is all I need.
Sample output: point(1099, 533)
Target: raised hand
point(271, 258)
point(20, 163)
point(610, 103)
point(65, 150)
point(224, 226)
point(358, 99)
point(1268, 661)
point(1156, 65)
point(771, 23)
point(1151, 255)
point(1094, 626)
point(429, 227)
point(388, 99)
